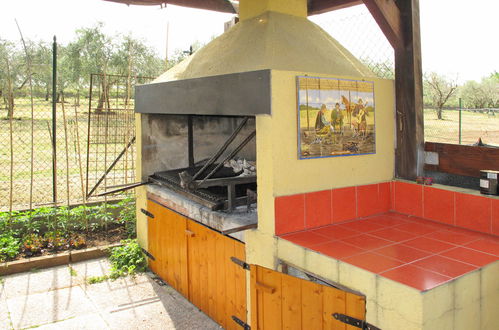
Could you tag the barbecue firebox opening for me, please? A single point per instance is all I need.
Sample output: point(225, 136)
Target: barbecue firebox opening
point(206, 158)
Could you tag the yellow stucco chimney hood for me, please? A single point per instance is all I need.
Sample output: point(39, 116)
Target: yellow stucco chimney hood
point(271, 34)
point(232, 74)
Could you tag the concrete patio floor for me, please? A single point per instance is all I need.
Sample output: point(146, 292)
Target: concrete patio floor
point(61, 298)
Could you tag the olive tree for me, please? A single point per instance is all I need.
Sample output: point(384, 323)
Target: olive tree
point(437, 90)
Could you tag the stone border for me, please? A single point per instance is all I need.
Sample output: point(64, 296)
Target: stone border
point(57, 259)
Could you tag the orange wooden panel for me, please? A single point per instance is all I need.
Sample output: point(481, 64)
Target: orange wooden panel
point(280, 301)
point(230, 285)
point(253, 297)
point(179, 254)
point(212, 275)
point(355, 307)
point(166, 234)
point(334, 301)
point(272, 303)
point(193, 260)
point(240, 282)
point(311, 298)
point(152, 235)
point(291, 302)
point(203, 267)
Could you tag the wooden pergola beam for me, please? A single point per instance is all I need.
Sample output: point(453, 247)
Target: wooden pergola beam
point(387, 14)
point(323, 6)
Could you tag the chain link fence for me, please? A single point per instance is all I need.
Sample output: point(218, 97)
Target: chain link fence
point(357, 31)
point(462, 126)
point(26, 158)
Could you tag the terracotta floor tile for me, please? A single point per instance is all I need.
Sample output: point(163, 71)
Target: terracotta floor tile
point(373, 262)
point(335, 232)
point(416, 277)
point(485, 245)
point(470, 256)
point(306, 238)
point(452, 237)
point(465, 231)
point(392, 234)
point(400, 216)
point(386, 220)
point(337, 249)
point(367, 242)
point(429, 245)
point(416, 228)
point(445, 266)
point(402, 253)
point(361, 226)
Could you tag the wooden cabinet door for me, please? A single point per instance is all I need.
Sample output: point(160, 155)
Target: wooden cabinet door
point(281, 301)
point(195, 260)
point(167, 241)
point(217, 286)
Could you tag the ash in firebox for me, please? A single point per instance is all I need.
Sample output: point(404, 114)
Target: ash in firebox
point(242, 165)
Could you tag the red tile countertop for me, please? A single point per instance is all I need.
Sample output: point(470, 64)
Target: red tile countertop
point(416, 252)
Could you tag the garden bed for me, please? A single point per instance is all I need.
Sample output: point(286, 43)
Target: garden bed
point(47, 231)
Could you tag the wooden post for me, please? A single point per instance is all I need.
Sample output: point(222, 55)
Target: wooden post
point(399, 21)
point(409, 155)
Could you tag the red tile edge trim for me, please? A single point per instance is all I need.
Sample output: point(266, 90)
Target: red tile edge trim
point(458, 209)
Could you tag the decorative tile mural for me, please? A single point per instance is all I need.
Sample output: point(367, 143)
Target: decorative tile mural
point(335, 117)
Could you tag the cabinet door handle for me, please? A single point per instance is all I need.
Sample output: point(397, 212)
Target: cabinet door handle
point(264, 288)
point(190, 233)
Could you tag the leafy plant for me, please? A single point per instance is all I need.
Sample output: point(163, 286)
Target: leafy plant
point(127, 259)
point(55, 240)
point(72, 271)
point(33, 244)
point(9, 247)
point(77, 241)
point(97, 279)
point(127, 216)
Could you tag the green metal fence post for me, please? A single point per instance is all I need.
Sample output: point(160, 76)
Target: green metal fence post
point(460, 120)
point(54, 117)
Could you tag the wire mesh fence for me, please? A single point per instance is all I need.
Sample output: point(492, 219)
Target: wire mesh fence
point(26, 160)
point(357, 31)
point(462, 126)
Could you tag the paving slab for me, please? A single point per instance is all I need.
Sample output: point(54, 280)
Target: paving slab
point(48, 307)
point(90, 268)
point(56, 299)
point(86, 322)
point(4, 315)
point(37, 281)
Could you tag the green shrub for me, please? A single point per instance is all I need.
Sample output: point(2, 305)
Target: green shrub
point(127, 216)
point(9, 247)
point(127, 259)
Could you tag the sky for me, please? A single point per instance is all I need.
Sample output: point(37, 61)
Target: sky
point(458, 37)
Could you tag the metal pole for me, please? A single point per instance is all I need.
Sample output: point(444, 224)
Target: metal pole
point(460, 120)
point(54, 119)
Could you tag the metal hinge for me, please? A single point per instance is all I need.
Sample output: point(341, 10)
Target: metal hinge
point(150, 256)
point(354, 322)
point(244, 325)
point(146, 212)
point(240, 263)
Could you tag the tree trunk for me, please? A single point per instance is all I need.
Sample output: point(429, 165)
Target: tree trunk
point(103, 97)
point(10, 105)
point(439, 114)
